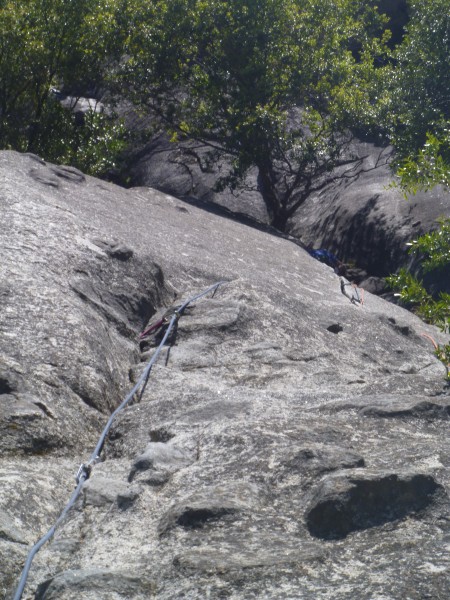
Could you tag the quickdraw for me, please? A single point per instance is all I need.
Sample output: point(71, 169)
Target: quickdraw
point(165, 320)
point(357, 298)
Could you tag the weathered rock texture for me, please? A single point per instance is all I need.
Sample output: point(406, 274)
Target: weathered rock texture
point(290, 444)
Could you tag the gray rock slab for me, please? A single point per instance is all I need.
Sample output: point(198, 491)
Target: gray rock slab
point(9, 531)
point(264, 393)
point(158, 462)
point(253, 551)
point(103, 491)
point(100, 582)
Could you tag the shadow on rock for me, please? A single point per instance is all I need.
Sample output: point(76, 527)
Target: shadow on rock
point(345, 504)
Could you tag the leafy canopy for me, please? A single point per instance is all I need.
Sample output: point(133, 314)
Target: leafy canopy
point(418, 87)
point(229, 74)
point(54, 43)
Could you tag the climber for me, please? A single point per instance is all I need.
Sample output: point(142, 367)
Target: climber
point(329, 259)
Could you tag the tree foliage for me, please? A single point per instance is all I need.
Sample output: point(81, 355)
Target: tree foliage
point(229, 74)
point(232, 75)
point(54, 43)
point(418, 87)
point(434, 247)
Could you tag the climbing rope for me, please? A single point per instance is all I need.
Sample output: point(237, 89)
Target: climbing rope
point(355, 298)
point(440, 354)
point(85, 469)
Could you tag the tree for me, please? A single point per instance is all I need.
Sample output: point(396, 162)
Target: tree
point(418, 85)
point(53, 43)
point(232, 74)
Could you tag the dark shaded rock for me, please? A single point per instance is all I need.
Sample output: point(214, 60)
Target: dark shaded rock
point(335, 328)
point(174, 169)
point(364, 221)
point(9, 381)
point(95, 581)
point(103, 491)
point(374, 285)
point(435, 281)
point(355, 275)
point(421, 410)
point(342, 505)
point(210, 505)
point(161, 435)
point(162, 460)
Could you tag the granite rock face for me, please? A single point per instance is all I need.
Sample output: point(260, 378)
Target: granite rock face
point(359, 216)
point(289, 444)
point(174, 169)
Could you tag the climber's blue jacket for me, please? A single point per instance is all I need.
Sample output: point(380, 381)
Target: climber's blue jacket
point(326, 257)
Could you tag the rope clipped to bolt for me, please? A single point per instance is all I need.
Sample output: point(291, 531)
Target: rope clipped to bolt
point(164, 321)
point(85, 469)
point(357, 295)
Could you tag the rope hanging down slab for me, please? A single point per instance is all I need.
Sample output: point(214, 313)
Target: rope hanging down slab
point(85, 469)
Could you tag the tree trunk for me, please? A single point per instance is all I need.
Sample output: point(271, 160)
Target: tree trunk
point(280, 221)
point(267, 186)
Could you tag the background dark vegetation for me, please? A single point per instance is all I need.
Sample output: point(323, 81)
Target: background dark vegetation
point(230, 75)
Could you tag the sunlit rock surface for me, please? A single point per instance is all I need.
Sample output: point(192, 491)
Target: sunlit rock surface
point(289, 444)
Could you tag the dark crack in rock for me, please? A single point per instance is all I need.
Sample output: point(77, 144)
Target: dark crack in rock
point(335, 328)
